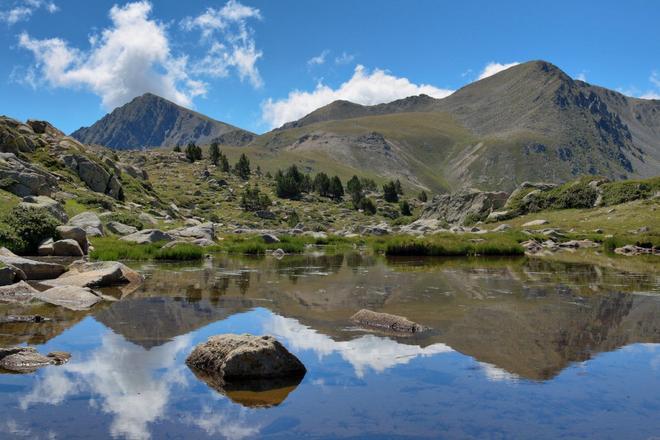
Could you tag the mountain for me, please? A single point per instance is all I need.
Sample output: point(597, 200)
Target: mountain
point(152, 121)
point(529, 122)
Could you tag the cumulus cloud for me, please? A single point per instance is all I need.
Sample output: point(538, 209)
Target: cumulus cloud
point(318, 59)
point(129, 58)
point(364, 87)
point(230, 42)
point(655, 93)
point(23, 10)
point(344, 58)
point(492, 68)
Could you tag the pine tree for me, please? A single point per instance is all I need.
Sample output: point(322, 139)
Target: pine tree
point(224, 163)
point(253, 200)
point(389, 192)
point(214, 153)
point(243, 167)
point(177, 149)
point(354, 187)
point(193, 152)
point(336, 188)
point(405, 208)
point(423, 197)
point(291, 183)
point(322, 184)
point(397, 186)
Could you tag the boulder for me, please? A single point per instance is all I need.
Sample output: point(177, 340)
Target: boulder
point(54, 207)
point(465, 205)
point(89, 222)
point(204, 230)
point(24, 178)
point(33, 270)
point(423, 226)
point(502, 228)
point(44, 127)
point(380, 229)
point(96, 177)
point(232, 358)
point(278, 253)
point(148, 236)
point(269, 238)
point(45, 248)
point(69, 297)
point(99, 274)
point(385, 321)
point(74, 233)
point(121, 229)
point(13, 319)
point(67, 248)
point(498, 216)
point(147, 219)
point(265, 214)
point(20, 292)
point(539, 222)
point(10, 275)
point(28, 359)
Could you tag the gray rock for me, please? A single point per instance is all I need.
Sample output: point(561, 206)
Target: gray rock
point(278, 253)
point(264, 214)
point(99, 274)
point(147, 219)
point(24, 179)
point(386, 321)
point(45, 248)
point(120, 228)
point(20, 292)
point(28, 359)
point(33, 270)
point(458, 207)
point(67, 248)
point(44, 202)
point(148, 236)
point(204, 230)
point(94, 175)
point(539, 222)
point(502, 228)
point(74, 233)
point(69, 297)
point(12, 319)
point(269, 238)
point(498, 216)
point(10, 275)
point(89, 222)
point(233, 357)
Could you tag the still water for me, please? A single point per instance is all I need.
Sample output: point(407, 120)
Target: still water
point(520, 348)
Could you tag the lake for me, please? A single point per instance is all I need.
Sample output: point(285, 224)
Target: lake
point(519, 348)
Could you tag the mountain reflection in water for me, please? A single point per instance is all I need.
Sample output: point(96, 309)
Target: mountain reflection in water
point(499, 326)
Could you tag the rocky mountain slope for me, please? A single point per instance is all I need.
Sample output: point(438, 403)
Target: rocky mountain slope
point(152, 121)
point(529, 122)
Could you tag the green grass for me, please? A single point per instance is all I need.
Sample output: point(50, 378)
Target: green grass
point(113, 249)
point(615, 193)
point(446, 244)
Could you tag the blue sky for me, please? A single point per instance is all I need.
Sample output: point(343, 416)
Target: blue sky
point(257, 64)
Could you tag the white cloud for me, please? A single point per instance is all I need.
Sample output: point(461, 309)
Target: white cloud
point(22, 10)
point(318, 59)
point(492, 68)
point(344, 58)
point(653, 94)
point(364, 87)
point(230, 42)
point(127, 59)
point(582, 76)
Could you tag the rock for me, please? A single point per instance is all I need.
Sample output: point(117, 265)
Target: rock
point(643, 229)
point(89, 222)
point(265, 214)
point(630, 250)
point(44, 127)
point(120, 228)
point(44, 202)
point(96, 177)
point(423, 226)
point(531, 246)
point(10, 275)
point(148, 236)
point(24, 178)
point(233, 358)
point(99, 274)
point(147, 219)
point(133, 171)
point(20, 292)
point(386, 321)
point(69, 296)
point(498, 216)
point(502, 228)
point(192, 222)
point(33, 270)
point(67, 248)
point(598, 231)
point(74, 233)
point(380, 229)
point(465, 205)
point(28, 359)
point(269, 238)
point(14, 319)
point(203, 242)
point(205, 230)
point(45, 249)
point(278, 253)
point(538, 222)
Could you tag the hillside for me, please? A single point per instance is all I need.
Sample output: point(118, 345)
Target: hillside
point(152, 121)
point(529, 122)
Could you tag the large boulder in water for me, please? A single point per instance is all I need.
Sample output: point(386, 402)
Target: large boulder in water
point(69, 297)
point(99, 274)
point(385, 321)
point(28, 359)
point(33, 270)
point(233, 357)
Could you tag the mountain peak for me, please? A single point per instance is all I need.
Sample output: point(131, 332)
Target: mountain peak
point(150, 120)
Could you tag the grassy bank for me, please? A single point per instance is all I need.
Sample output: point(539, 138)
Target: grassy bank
point(291, 244)
point(448, 244)
point(113, 249)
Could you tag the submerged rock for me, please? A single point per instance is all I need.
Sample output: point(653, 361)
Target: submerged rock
point(386, 321)
point(232, 358)
point(12, 319)
point(70, 297)
point(28, 359)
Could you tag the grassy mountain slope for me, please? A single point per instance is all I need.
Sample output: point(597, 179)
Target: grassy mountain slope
point(530, 122)
point(152, 121)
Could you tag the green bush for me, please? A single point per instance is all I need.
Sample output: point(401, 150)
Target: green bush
point(26, 228)
point(615, 193)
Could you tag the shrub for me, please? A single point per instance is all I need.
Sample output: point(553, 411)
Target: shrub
point(30, 226)
point(405, 208)
point(390, 193)
point(291, 183)
point(10, 240)
point(253, 200)
point(97, 200)
point(193, 152)
point(293, 219)
point(336, 188)
point(615, 193)
point(367, 205)
point(423, 197)
point(177, 149)
point(242, 167)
